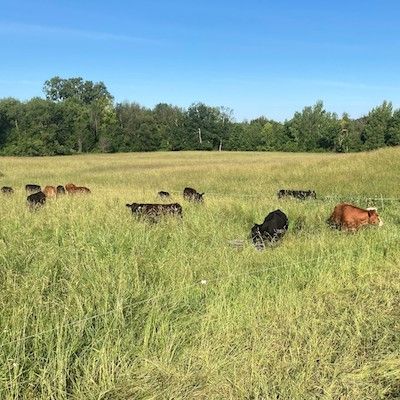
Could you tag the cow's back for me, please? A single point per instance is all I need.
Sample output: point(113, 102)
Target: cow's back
point(353, 217)
point(155, 210)
point(189, 192)
point(32, 188)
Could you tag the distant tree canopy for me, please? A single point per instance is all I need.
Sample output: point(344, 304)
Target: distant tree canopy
point(80, 116)
point(59, 89)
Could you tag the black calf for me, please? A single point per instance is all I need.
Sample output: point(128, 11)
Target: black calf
point(36, 199)
point(163, 194)
point(31, 188)
point(154, 211)
point(297, 194)
point(7, 190)
point(271, 230)
point(192, 195)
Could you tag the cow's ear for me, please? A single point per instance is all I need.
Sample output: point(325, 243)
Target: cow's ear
point(202, 194)
point(128, 205)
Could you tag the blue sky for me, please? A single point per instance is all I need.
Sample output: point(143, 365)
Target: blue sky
point(257, 57)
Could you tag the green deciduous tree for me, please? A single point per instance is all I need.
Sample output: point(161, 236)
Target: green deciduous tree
point(59, 89)
point(207, 127)
point(377, 126)
point(80, 116)
point(392, 137)
point(314, 128)
point(169, 122)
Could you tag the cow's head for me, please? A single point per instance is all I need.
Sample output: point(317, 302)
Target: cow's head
point(199, 197)
point(133, 206)
point(373, 217)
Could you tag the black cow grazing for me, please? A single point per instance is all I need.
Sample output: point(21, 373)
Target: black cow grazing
point(271, 230)
point(7, 190)
point(163, 194)
point(297, 194)
point(192, 195)
point(154, 211)
point(31, 188)
point(60, 190)
point(36, 199)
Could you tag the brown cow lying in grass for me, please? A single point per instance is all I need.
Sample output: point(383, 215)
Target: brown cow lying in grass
point(350, 218)
point(154, 211)
point(72, 189)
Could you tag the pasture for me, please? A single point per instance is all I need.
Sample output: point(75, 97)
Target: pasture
point(98, 305)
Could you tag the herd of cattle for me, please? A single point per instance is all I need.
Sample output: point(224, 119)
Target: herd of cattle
point(344, 216)
point(37, 197)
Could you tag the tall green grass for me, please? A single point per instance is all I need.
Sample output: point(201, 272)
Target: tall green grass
point(98, 305)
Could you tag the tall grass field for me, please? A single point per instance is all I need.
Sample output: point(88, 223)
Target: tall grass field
point(98, 305)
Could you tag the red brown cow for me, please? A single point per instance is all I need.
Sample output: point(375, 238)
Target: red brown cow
point(72, 189)
point(50, 191)
point(350, 218)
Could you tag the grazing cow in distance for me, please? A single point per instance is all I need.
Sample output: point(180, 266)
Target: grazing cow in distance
point(32, 188)
point(163, 194)
point(297, 194)
point(271, 230)
point(192, 195)
point(60, 190)
point(50, 191)
point(154, 211)
point(350, 218)
point(36, 200)
point(72, 189)
point(69, 187)
point(7, 190)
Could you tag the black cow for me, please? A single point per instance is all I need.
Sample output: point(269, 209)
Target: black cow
point(154, 211)
point(192, 195)
point(32, 188)
point(163, 194)
point(36, 199)
point(297, 194)
point(60, 190)
point(7, 190)
point(271, 230)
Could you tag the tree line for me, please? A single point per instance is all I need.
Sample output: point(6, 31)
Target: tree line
point(79, 116)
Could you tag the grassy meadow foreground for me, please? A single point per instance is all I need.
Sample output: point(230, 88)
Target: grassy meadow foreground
point(97, 305)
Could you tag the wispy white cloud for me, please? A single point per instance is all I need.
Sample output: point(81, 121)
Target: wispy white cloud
point(15, 28)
